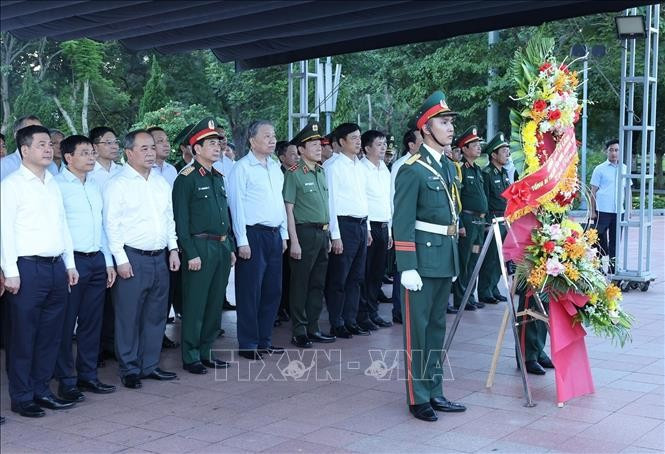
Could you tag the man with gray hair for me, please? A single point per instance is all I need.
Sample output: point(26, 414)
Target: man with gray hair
point(12, 162)
point(138, 219)
point(57, 136)
point(259, 225)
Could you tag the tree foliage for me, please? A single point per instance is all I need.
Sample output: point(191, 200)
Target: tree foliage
point(154, 96)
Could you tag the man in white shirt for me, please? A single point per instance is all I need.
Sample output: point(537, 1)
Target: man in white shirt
point(83, 204)
point(377, 176)
point(169, 172)
point(162, 152)
point(604, 206)
point(412, 141)
point(37, 259)
point(349, 231)
point(259, 225)
point(107, 147)
point(139, 225)
point(12, 162)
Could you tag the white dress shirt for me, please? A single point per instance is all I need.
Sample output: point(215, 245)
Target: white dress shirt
point(347, 192)
point(138, 213)
point(101, 176)
point(12, 162)
point(393, 176)
point(605, 177)
point(378, 191)
point(255, 196)
point(330, 160)
point(33, 220)
point(83, 208)
point(167, 171)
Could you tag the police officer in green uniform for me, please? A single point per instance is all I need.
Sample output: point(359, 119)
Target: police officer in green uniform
point(202, 222)
point(472, 217)
point(424, 230)
point(496, 181)
point(306, 198)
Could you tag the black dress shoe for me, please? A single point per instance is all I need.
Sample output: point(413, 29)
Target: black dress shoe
point(387, 280)
point(484, 301)
point(221, 333)
point(500, 298)
point(272, 350)
point(2, 420)
point(321, 338)
point(546, 363)
point(443, 404)
point(301, 341)
point(397, 319)
point(215, 363)
point(469, 307)
point(533, 367)
point(95, 386)
point(340, 331)
point(71, 394)
point(168, 343)
point(159, 374)
point(228, 306)
point(28, 409)
point(424, 412)
point(195, 368)
point(170, 320)
point(276, 323)
point(367, 325)
point(451, 310)
point(53, 403)
point(131, 381)
point(252, 355)
point(381, 323)
point(357, 330)
point(480, 304)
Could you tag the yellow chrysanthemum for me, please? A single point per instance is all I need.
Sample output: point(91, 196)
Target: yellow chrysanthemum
point(593, 299)
point(613, 293)
point(537, 276)
point(592, 236)
point(575, 251)
point(572, 272)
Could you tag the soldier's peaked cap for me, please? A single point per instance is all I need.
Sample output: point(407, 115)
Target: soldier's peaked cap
point(204, 129)
point(434, 106)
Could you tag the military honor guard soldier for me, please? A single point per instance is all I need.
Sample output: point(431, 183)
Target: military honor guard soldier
point(306, 199)
point(472, 216)
point(203, 227)
point(424, 226)
point(496, 181)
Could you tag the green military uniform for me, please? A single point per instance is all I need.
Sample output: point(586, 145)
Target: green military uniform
point(424, 201)
point(472, 218)
point(306, 189)
point(496, 182)
point(181, 139)
point(203, 226)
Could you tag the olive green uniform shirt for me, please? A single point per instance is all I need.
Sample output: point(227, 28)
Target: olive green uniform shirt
point(307, 190)
point(496, 181)
point(472, 193)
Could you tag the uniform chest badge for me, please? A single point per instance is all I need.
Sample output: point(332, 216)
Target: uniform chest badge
point(203, 188)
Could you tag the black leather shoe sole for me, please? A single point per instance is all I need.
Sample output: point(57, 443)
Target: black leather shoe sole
point(546, 363)
point(357, 330)
point(381, 323)
point(501, 298)
point(272, 350)
point(195, 368)
point(424, 412)
point(71, 395)
point(131, 381)
point(28, 410)
point(367, 326)
point(160, 377)
point(321, 338)
point(215, 364)
point(96, 388)
point(446, 406)
point(534, 368)
point(53, 403)
point(301, 342)
point(340, 332)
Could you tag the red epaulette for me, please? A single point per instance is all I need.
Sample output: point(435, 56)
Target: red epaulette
point(467, 165)
point(202, 171)
point(293, 168)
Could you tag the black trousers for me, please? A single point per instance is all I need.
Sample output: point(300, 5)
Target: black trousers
point(374, 270)
point(346, 272)
point(37, 314)
point(85, 302)
point(606, 224)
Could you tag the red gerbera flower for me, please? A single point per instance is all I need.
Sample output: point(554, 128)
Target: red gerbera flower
point(554, 115)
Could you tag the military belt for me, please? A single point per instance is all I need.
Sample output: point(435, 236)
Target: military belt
point(439, 229)
point(209, 236)
point(315, 225)
point(477, 214)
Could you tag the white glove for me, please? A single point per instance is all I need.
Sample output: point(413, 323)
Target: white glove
point(411, 280)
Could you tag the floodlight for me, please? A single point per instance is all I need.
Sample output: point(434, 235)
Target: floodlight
point(630, 27)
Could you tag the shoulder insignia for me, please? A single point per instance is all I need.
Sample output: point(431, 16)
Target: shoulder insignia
point(467, 165)
point(202, 171)
point(305, 169)
point(187, 171)
point(293, 168)
point(217, 172)
point(412, 159)
point(318, 166)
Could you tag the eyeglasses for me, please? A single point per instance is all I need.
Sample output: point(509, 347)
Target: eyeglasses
point(109, 142)
point(87, 154)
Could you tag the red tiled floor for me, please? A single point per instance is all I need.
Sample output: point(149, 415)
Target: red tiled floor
point(355, 412)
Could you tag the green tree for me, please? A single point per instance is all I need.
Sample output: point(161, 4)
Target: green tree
point(154, 96)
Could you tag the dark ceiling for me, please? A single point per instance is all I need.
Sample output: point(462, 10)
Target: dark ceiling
point(263, 33)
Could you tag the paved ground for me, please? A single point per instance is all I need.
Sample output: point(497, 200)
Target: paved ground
point(338, 406)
